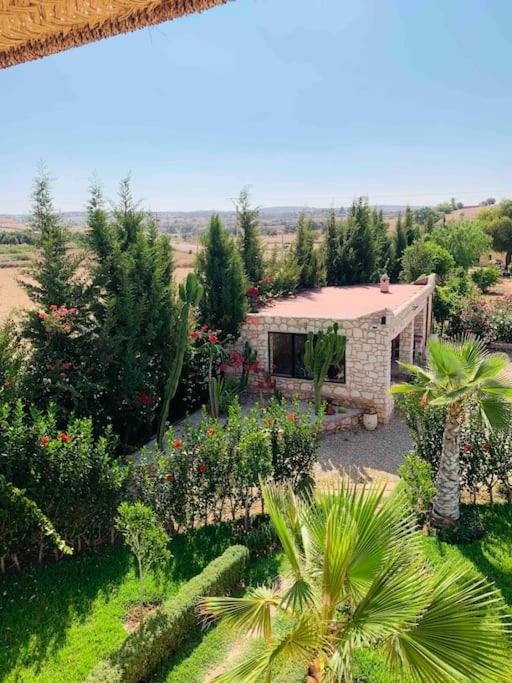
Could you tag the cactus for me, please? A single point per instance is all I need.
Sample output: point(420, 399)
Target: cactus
point(322, 350)
point(190, 294)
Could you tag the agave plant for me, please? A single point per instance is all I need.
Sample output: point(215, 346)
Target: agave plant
point(358, 579)
point(456, 372)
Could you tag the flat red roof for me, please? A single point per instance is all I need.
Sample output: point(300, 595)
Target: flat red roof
point(340, 303)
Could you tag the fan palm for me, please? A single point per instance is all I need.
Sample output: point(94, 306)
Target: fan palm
point(458, 372)
point(358, 579)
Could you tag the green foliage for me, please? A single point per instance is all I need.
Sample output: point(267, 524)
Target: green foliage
point(190, 295)
point(485, 278)
point(69, 475)
point(383, 245)
point(147, 541)
point(22, 524)
point(417, 476)
point(332, 247)
point(305, 257)
point(220, 272)
point(357, 260)
point(134, 316)
point(465, 240)
point(12, 361)
point(251, 248)
point(497, 222)
point(322, 350)
point(425, 257)
point(411, 230)
point(17, 237)
point(400, 245)
point(166, 630)
point(358, 579)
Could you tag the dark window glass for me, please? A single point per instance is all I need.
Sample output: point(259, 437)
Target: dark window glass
point(281, 353)
point(287, 357)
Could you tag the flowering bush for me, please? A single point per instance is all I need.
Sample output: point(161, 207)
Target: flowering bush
point(212, 472)
point(68, 474)
point(492, 322)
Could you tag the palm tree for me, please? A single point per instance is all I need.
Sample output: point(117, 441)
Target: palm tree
point(458, 373)
point(358, 579)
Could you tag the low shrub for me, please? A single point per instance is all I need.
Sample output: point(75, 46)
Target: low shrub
point(417, 478)
point(166, 630)
point(485, 278)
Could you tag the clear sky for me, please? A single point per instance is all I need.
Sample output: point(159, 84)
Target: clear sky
point(310, 102)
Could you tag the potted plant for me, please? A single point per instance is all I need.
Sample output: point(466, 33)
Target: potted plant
point(370, 419)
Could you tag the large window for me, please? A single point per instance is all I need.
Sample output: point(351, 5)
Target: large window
point(286, 357)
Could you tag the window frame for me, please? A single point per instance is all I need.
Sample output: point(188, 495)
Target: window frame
point(294, 375)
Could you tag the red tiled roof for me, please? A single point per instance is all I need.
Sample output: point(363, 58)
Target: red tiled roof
point(341, 303)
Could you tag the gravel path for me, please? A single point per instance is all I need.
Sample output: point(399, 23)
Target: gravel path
point(376, 455)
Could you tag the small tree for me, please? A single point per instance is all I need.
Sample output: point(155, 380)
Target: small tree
point(220, 272)
point(305, 256)
point(332, 249)
point(251, 249)
point(147, 541)
point(485, 278)
point(322, 350)
point(425, 257)
point(358, 252)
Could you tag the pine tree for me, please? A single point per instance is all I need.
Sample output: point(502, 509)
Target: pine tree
point(332, 249)
point(251, 248)
point(303, 253)
point(358, 251)
point(58, 328)
point(220, 272)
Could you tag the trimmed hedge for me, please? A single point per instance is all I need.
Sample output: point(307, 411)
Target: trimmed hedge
point(166, 630)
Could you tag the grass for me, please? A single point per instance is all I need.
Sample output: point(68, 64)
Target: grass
point(58, 621)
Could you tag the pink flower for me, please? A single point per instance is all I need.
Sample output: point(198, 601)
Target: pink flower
point(194, 334)
point(204, 328)
point(54, 307)
point(236, 359)
point(42, 315)
point(223, 367)
point(213, 339)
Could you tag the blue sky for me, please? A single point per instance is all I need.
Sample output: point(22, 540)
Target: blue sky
point(310, 102)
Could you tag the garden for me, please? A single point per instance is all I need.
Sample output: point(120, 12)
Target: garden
point(212, 554)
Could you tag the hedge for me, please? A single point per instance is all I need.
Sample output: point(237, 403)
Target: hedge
point(166, 630)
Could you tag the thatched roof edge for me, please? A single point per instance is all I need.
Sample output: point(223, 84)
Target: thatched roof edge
point(81, 33)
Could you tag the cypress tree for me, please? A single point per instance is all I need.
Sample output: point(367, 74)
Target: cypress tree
point(358, 251)
point(220, 272)
point(303, 253)
point(409, 227)
point(332, 249)
point(400, 244)
point(382, 244)
point(251, 249)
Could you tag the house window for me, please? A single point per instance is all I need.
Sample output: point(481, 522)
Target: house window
point(286, 358)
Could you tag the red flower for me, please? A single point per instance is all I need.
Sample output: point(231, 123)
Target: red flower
point(64, 437)
point(204, 328)
point(202, 468)
point(270, 421)
point(177, 443)
point(223, 367)
point(468, 448)
point(194, 334)
point(67, 366)
point(292, 417)
point(42, 315)
point(145, 399)
point(44, 441)
point(213, 339)
point(253, 292)
point(236, 359)
point(54, 307)
point(169, 477)
point(485, 446)
point(212, 432)
point(50, 367)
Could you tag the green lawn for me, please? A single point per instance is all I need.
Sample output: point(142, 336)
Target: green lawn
point(59, 621)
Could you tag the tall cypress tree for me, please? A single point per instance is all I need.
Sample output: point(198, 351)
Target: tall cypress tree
point(409, 227)
point(400, 246)
point(382, 243)
point(133, 310)
point(220, 271)
point(332, 249)
point(358, 251)
point(251, 248)
point(303, 253)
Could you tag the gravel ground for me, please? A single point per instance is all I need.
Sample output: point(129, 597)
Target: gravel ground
point(375, 455)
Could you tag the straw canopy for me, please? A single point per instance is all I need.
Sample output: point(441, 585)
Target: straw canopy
point(30, 29)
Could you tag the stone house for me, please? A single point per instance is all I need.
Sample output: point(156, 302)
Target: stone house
point(382, 324)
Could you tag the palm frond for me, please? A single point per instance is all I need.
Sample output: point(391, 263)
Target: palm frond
point(406, 388)
point(276, 501)
point(460, 636)
point(251, 613)
point(495, 412)
point(444, 360)
point(491, 367)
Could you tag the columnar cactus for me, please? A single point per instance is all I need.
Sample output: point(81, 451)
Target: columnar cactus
point(190, 294)
point(322, 350)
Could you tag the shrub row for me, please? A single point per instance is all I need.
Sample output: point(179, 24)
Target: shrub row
point(492, 322)
point(212, 471)
point(166, 630)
